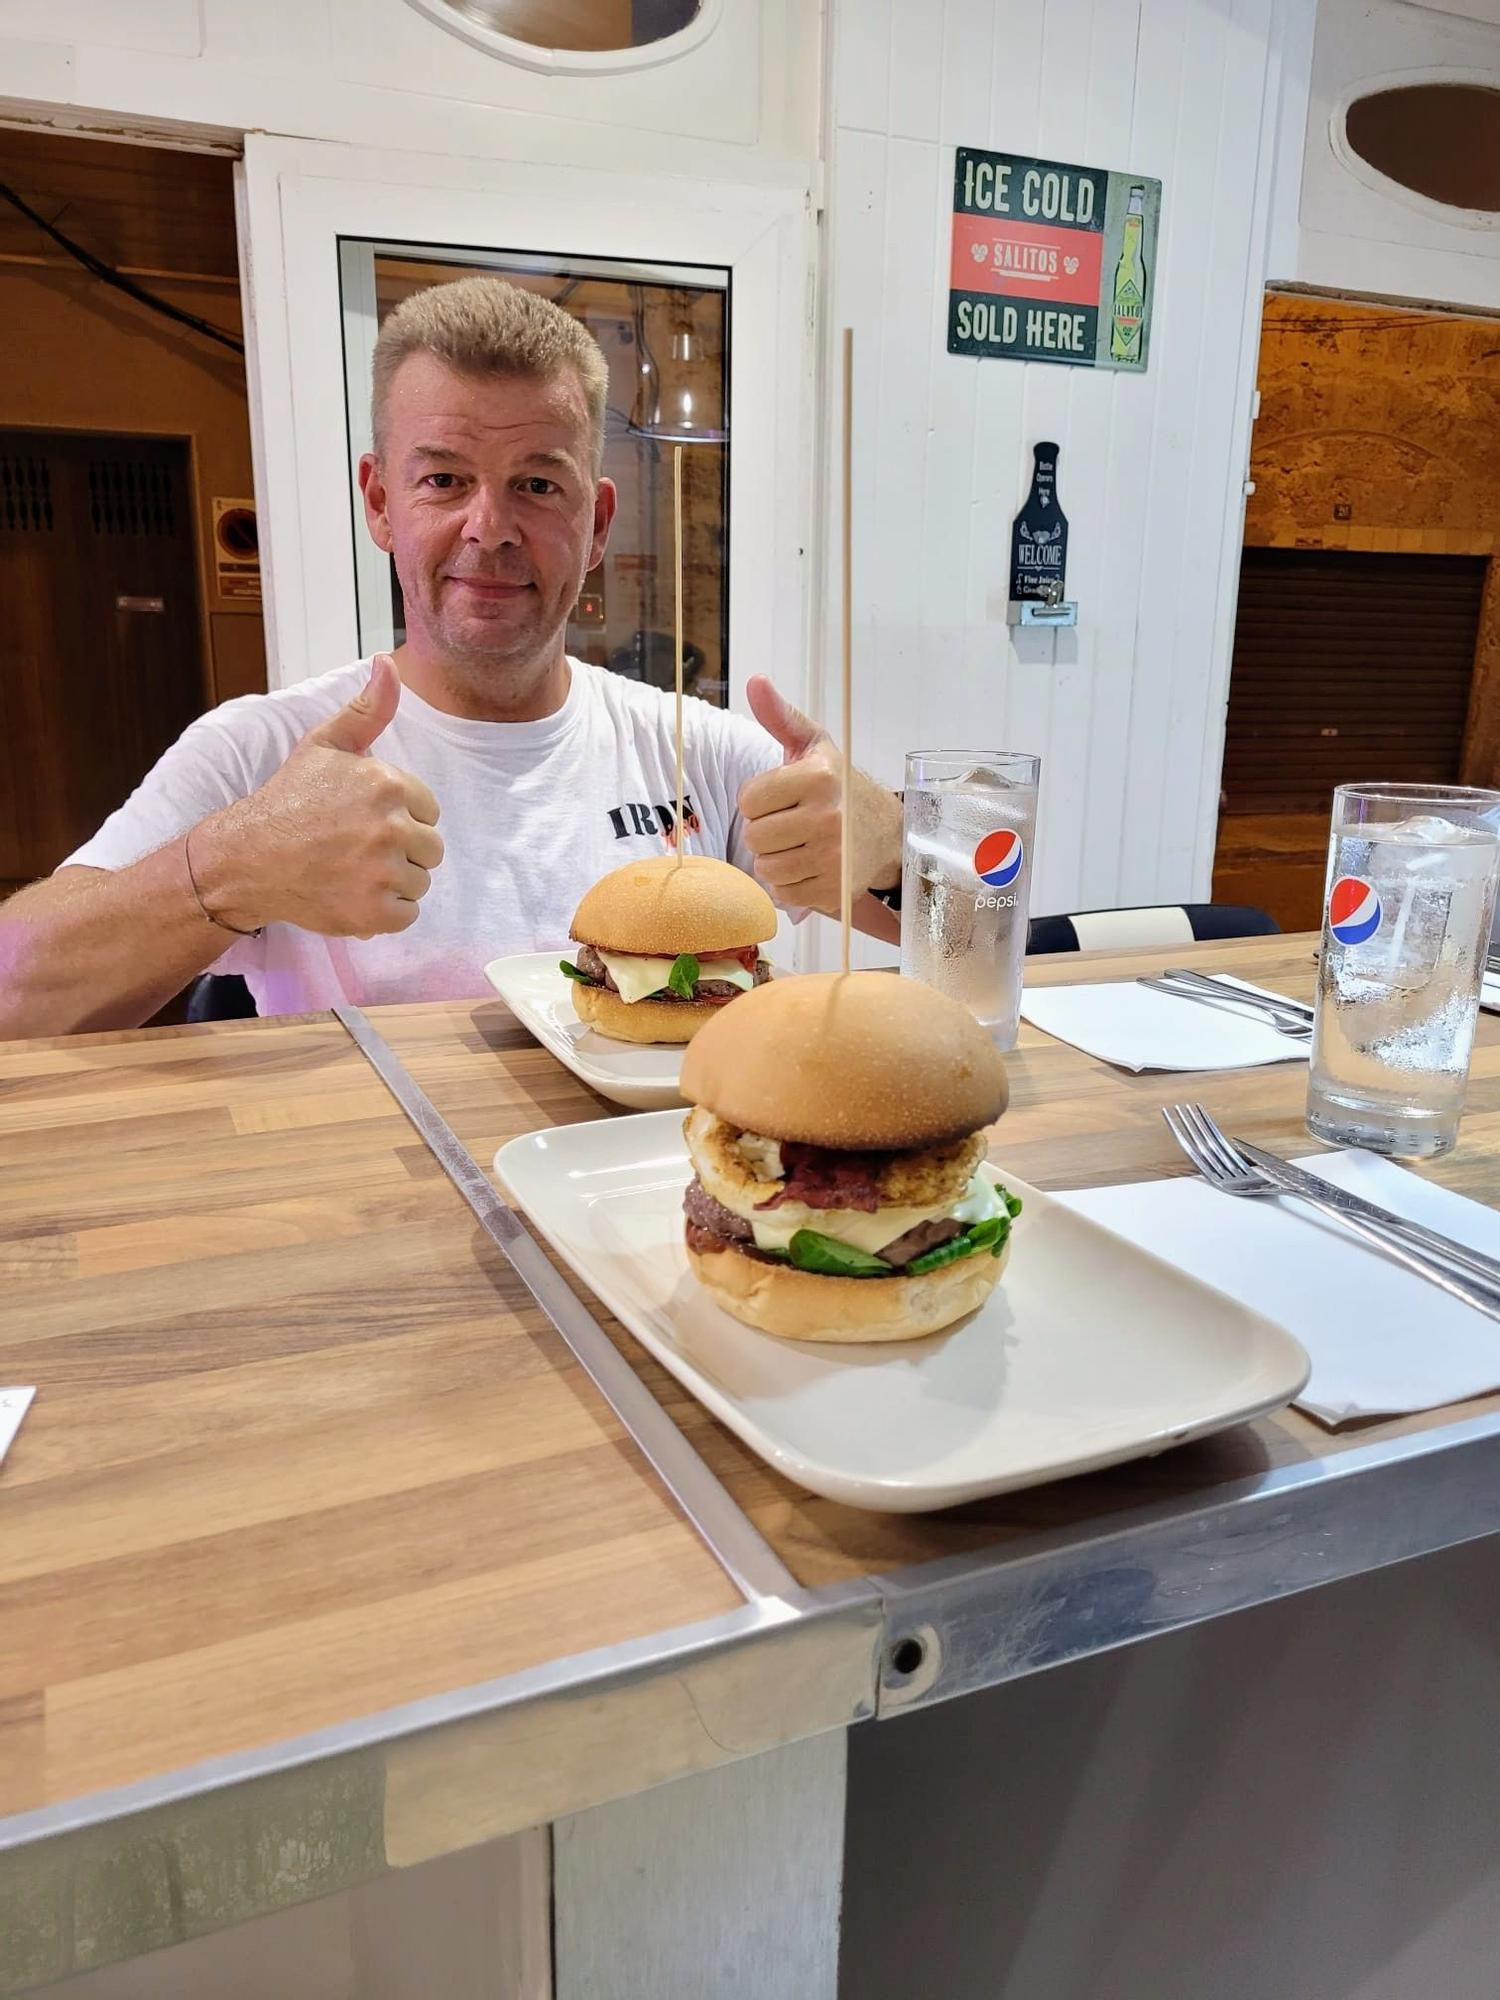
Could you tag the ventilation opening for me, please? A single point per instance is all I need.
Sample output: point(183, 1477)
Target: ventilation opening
point(25, 493)
point(1441, 140)
point(600, 26)
point(130, 498)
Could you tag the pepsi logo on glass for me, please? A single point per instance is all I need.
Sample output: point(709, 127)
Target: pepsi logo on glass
point(1353, 910)
point(1000, 857)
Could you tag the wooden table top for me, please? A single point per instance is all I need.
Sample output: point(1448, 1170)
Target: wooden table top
point(303, 1448)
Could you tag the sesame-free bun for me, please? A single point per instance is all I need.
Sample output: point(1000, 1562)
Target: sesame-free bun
point(640, 1020)
point(658, 909)
point(853, 1060)
point(803, 1305)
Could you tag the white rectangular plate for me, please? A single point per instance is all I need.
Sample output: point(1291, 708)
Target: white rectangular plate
point(1089, 1352)
point(641, 1075)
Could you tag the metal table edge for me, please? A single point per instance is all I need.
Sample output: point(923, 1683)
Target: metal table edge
point(963, 1623)
point(595, 1673)
point(114, 1874)
point(726, 1530)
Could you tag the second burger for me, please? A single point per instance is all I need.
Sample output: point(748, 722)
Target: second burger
point(663, 946)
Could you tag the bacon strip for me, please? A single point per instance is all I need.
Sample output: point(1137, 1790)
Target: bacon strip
point(819, 1177)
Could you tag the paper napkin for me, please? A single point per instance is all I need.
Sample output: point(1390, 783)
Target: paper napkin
point(1136, 1028)
point(14, 1404)
point(1382, 1341)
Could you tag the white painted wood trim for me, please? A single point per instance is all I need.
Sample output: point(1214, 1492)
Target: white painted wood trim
point(375, 631)
point(302, 198)
point(574, 62)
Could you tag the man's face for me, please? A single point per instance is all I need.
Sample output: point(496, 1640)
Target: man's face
point(485, 495)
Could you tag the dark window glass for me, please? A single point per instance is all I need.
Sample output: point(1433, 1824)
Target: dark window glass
point(1438, 139)
point(581, 24)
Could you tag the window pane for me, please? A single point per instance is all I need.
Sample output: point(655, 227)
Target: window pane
point(665, 340)
point(1438, 139)
point(581, 24)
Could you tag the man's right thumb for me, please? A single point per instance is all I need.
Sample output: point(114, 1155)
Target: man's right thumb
point(360, 721)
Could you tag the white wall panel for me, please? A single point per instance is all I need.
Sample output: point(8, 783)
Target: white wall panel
point(1359, 233)
point(377, 73)
point(1127, 711)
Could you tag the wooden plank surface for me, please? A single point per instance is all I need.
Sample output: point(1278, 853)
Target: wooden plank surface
point(302, 1448)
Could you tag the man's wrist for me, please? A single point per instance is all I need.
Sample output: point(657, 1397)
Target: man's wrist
point(886, 881)
point(218, 879)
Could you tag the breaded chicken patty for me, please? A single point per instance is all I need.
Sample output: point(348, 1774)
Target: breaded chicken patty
point(928, 1177)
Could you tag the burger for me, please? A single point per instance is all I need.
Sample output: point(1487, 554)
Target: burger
point(837, 1141)
point(664, 945)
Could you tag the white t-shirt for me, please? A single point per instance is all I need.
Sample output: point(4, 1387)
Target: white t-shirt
point(532, 813)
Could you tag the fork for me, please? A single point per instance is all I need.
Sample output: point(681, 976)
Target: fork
point(1247, 1006)
point(1223, 1166)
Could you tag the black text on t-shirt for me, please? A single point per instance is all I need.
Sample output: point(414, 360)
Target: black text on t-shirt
point(652, 822)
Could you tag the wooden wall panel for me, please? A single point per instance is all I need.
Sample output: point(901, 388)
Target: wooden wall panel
point(91, 359)
point(1379, 430)
point(138, 207)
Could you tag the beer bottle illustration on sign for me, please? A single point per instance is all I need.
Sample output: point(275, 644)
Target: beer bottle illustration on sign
point(1039, 539)
point(1128, 309)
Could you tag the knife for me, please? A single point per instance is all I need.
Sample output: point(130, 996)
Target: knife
point(1181, 975)
point(1297, 1181)
point(1245, 1006)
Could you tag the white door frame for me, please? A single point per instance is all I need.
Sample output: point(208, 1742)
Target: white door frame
point(298, 197)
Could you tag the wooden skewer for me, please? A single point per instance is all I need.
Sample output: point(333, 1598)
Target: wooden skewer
point(677, 634)
point(845, 896)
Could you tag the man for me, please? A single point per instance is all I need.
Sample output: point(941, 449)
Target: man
point(293, 837)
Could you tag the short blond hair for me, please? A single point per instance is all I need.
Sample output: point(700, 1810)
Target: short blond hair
point(484, 326)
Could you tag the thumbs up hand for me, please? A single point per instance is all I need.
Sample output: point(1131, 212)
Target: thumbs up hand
point(363, 718)
point(335, 842)
point(792, 818)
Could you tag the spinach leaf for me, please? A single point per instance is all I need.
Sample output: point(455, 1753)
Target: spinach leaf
point(573, 973)
point(811, 1251)
point(945, 1253)
point(988, 1235)
point(683, 977)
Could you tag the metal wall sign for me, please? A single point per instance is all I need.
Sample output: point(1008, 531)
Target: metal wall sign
point(1051, 262)
point(236, 550)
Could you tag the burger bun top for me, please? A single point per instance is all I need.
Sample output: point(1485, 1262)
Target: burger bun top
point(659, 908)
point(858, 1060)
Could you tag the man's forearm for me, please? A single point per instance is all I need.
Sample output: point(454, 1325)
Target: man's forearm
point(875, 919)
point(94, 948)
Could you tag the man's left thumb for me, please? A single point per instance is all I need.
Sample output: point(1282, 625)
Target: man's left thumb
point(795, 732)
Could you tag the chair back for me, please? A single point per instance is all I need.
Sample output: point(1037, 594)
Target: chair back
point(1161, 925)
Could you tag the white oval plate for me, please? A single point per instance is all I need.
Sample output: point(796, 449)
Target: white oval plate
point(1091, 1351)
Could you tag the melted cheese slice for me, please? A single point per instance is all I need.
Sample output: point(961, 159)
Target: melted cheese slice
point(637, 978)
point(774, 1228)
